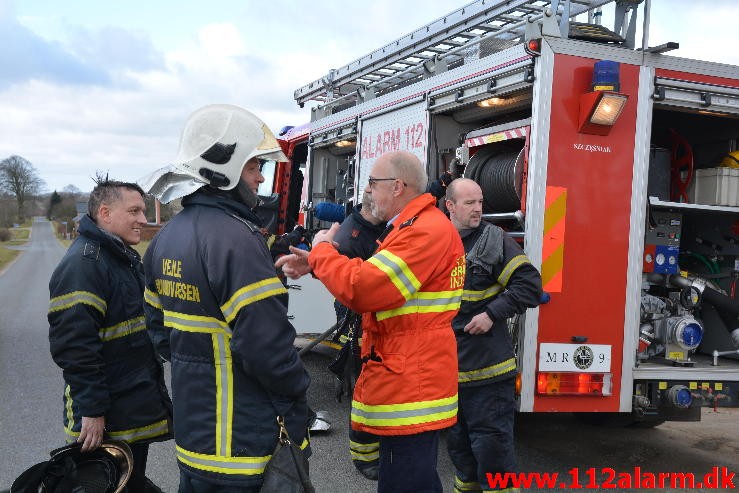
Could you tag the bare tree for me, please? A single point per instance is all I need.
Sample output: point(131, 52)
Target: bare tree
point(19, 178)
point(72, 190)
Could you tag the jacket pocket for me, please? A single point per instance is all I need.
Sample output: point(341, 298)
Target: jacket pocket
point(393, 362)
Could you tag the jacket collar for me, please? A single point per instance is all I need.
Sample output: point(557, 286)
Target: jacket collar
point(111, 242)
point(221, 200)
point(414, 207)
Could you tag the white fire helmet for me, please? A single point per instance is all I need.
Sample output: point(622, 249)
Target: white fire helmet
point(216, 143)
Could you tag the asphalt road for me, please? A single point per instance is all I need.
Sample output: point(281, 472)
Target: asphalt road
point(31, 410)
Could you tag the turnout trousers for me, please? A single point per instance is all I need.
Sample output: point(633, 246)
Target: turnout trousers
point(189, 484)
point(481, 441)
point(408, 463)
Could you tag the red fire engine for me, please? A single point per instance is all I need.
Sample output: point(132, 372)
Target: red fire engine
point(610, 162)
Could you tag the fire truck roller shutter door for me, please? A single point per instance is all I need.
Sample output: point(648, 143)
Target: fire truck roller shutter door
point(499, 172)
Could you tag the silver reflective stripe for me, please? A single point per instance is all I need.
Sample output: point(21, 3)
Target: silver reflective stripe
point(406, 282)
point(143, 433)
point(77, 297)
point(501, 368)
point(472, 295)
point(224, 465)
point(425, 302)
point(227, 465)
point(364, 447)
point(122, 329)
point(152, 298)
point(250, 294)
point(224, 393)
point(510, 267)
point(407, 413)
point(194, 323)
point(365, 456)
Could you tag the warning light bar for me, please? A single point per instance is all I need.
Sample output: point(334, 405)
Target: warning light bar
point(570, 383)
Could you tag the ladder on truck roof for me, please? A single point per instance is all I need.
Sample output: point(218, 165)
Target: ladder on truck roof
point(449, 38)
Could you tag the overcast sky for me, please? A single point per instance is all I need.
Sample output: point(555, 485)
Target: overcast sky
point(91, 85)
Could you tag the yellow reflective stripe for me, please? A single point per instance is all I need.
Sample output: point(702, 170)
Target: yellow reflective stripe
point(195, 323)
point(410, 413)
point(364, 452)
point(501, 368)
point(475, 295)
point(70, 414)
point(343, 338)
point(365, 456)
point(68, 300)
point(426, 302)
point(250, 294)
point(398, 271)
point(152, 298)
point(248, 466)
point(142, 433)
point(122, 329)
point(510, 267)
point(364, 447)
point(224, 393)
point(466, 486)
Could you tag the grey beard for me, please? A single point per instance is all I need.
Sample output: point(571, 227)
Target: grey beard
point(245, 195)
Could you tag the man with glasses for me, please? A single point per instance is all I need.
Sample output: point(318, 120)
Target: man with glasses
point(408, 291)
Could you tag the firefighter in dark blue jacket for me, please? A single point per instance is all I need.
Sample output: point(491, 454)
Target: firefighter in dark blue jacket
point(114, 383)
point(219, 310)
point(357, 237)
point(499, 283)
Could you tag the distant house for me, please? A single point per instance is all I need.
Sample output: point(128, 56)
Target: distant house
point(81, 207)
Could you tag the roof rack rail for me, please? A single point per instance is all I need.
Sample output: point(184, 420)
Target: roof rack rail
point(483, 24)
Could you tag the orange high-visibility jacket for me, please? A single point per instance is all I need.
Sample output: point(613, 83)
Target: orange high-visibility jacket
point(408, 292)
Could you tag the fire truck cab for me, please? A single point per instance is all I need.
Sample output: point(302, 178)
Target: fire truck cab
point(607, 159)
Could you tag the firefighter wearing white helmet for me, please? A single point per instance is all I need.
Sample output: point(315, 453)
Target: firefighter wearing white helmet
point(216, 309)
point(216, 143)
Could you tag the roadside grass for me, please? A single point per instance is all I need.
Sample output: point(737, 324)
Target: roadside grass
point(7, 256)
point(19, 236)
point(20, 233)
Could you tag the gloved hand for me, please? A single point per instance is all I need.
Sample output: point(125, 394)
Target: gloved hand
point(438, 187)
point(296, 236)
point(282, 243)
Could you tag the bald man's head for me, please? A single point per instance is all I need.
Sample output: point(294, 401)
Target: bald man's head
point(409, 169)
point(464, 203)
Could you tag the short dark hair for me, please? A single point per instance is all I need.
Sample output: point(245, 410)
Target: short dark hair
point(107, 191)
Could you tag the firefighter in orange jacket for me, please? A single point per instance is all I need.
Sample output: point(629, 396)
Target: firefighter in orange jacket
point(408, 292)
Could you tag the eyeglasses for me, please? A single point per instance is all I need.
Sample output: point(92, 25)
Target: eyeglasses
point(371, 181)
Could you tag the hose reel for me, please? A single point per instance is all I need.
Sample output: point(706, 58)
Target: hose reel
point(499, 172)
